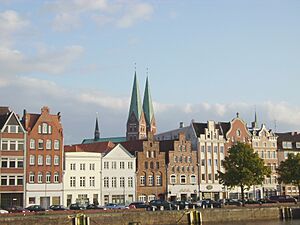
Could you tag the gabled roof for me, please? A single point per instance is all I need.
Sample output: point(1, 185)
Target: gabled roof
point(288, 136)
point(225, 127)
point(167, 145)
point(111, 139)
point(133, 146)
point(98, 147)
point(147, 104)
point(4, 115)
point(135, 102)
point(119, 146)
point(199, 128)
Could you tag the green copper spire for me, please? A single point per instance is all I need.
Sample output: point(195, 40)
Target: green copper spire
point(135, 103)
point(97, 131)
point(147, 104)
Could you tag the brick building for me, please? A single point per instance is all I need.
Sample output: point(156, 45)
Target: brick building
point(12, 138)
point(44, 158)
point(182, 173)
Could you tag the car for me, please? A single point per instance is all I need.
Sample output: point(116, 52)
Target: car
point(267, 201)
point(76, 206)
point(252, 202)
point(93, 206)
point(35, 208)
point(209, 203)
point(139, 205)
point(232, 202)
point(283, 199)
point(3, 211)
point(17, 209)
point(158, 204)
point(182, 204)
point(57, 208)
point(114, 206)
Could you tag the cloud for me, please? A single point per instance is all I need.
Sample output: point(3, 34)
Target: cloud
point(123, 14)
point(13, 62)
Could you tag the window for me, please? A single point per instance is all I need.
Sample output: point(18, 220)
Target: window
point(40, 160)
point(32, 144)
point(158, 180)
point(202, 148)
point(72, 181)
point(106, 182)
point(147, 154)
point(20, 180)
point(20, 163)
point(92, 181)
point(157, 165)
point(209, 148)
point(12, 180)
point(122, 165)
point(45, 128)
point(202, 176)
point(12, 163)
point(106, 165)
point(4, 145)
point(146, 165)
point(173, 179)
point(222, 149)
point(56, 160)
point(193, 179)
point(40, 177)
point(209, 162)
point(238, 133)
point(31, 177)
point(122, 181)
point(190, 159)
point(92, 166)
point(203, 162)
point(182, 169)
point(39, 129)
point(209, 176)
point(130, 165)
point(48, 144)
point(49, 129)
point(175, 159)
point(150, 180)
point(297, 144)
point(142, 180)
point(20, 145)
point(13, 129)
point(151, 165)
point(114, 182)
point(182, 179)
point(48, 177)
point(114, 165)
point(40, 144)
point(4, 162)
point(81, 181)
point(48, 160)
point(56, 144)
point(56, 177)
point(72, 166)
point(287, 144)
point(216, 163)
point(153, 154)
point(31, 200)
point(3, 180)
point(142, 198)
point(12, 145)
point(130, 181)
point(82, 166)
point(216, 176)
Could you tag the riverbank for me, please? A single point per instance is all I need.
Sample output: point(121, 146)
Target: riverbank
point(125, 217)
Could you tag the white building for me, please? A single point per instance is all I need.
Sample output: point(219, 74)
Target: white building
point(118, 176)
point(82, 178)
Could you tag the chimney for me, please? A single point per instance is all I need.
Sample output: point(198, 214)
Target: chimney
point(181, 125)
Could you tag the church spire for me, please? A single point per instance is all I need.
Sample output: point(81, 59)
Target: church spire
point(135, 103)
point(97, 131)
point(254, 123)
point(148, 106)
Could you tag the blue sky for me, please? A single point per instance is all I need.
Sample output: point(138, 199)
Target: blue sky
point(206, 59)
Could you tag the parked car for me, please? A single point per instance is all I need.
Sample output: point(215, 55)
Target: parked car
point(76, 206)
point(3, 211)
point(232, 202)
point(58, 207)
point(93, 206)
point(114, 206)
point(17, 209)
point(158, 204)
point(35, 208)
point(283, 198)
point(267, 201)
point(182, 204)
point(139, 205)
point(209, 203)
point(252, 202)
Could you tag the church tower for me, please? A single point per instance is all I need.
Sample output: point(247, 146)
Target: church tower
point(136, 123)
point(97, 131)
point(148, 110)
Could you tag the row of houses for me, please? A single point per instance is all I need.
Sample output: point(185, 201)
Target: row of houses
point(183, 163)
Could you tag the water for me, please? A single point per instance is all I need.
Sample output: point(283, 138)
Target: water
point(272, 222)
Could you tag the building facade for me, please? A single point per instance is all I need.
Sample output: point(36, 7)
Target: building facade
point(182, 173)
point(12, 158)
point(288, 143)
point(44, 158)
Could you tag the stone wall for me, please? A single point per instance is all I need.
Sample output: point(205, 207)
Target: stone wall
point(145, 218)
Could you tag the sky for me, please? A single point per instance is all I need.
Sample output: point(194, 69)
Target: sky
point(206, 60)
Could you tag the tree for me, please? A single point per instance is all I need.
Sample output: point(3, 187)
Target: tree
point(243, 168)
point(289, 171)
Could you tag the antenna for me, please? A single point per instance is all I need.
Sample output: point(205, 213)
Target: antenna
point(275, 125)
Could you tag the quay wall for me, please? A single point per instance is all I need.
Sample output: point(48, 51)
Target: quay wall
point(125, 217)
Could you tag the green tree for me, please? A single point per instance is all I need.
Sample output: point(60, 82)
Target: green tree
point(289, 171)
point(243, 168)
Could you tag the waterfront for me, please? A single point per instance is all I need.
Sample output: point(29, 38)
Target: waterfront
point(260, 222)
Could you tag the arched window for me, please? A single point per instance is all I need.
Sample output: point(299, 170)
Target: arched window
point(193, 179)
point(173, 179)
point(182, 179)
point(151, 165)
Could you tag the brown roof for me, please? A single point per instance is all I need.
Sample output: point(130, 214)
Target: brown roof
point(99, 147)
point(32, 119)
point(166, 145)
point(133, 146)
point(199, 128)
point(225, 127)
point(288, 136)
point(4, 110)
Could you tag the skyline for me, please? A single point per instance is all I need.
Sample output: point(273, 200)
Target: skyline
point(207, 61)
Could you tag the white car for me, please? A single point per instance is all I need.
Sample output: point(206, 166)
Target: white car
point(2, 211)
